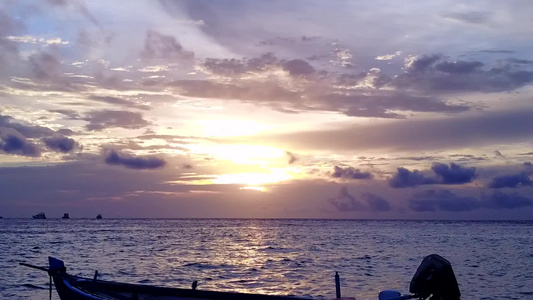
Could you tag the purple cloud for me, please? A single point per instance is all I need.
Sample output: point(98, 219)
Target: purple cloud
point(350, 173)
point(454, 174)
point(510, 181)
point(405, 178)
point(347, 202)
point(158, 45)
point(60, 144)
point(433, 200)
point(101, 119)
point(13, 144)
point(499, 200)
point(140, 163)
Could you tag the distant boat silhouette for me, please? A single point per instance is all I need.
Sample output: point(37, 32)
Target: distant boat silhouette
point(65, 216)
point(99, 217)
point(40, 216)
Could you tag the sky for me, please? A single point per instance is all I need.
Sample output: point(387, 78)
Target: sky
point(267, 109)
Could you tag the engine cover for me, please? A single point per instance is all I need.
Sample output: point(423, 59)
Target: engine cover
point(434, 277)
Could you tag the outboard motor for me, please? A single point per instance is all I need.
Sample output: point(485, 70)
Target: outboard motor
point(434, 277)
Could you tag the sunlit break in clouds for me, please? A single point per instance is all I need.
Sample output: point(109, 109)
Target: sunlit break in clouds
point(289, 109)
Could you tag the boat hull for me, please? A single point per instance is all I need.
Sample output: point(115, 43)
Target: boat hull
point(72, 287)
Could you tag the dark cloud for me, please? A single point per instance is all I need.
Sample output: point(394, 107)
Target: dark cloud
point(71, 114)
point(466, 157)
point(292, 157)
point(355, 103)
point(257, 92)
point(488, 128)
point(140, 163)
point(433, 74)
point(17, 144)
point(454, 174)
point(61, 144)
point(458, 67)
point(420, 158)
point(382, 103)
point(350, 173)
point(405, 178)
point(45, 65)
point(423, 63)
point(158, 45)
point(433, 200)
point(119, 101)
point(101, 119)
point(298, 67)
point(28, 131)
point(376, 202)
point(520, 61)
point(510, 181)
point(500, 200)
point(472, 17)
point(236, 67)
point(497, 51)
point(347, 202)
point(78, 5)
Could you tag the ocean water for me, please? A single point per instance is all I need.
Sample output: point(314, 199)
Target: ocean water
point(491, 260)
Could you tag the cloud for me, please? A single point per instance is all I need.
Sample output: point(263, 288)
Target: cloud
point(489, 128)
point(350, 173)
point(444, 200)
point(161, 46)
point(45, 65)
point(353, 102)
point(292, 157)
point(433, 74)
point(28, 131)
point(376, 202)
point(405, 178)
point(500, 200)
point(140, 163)
point(454, 174)
point(510, 181)
point(119, 101)
point(11, 142)
point(101, 119)
point(60, 144)
point(472, 17)
point(433, 200)
point(298, 67)
point(346, 202)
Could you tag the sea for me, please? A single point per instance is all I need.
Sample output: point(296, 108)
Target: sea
point(491, 260)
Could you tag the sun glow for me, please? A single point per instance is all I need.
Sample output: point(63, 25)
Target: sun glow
point(227, 128)
point(243, 154)
point(254, 188)
point(252, 179)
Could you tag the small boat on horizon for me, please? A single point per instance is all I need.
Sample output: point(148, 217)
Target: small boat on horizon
point(99, 217)
point(65, 216)
point(39, 216)
point(433, 278)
